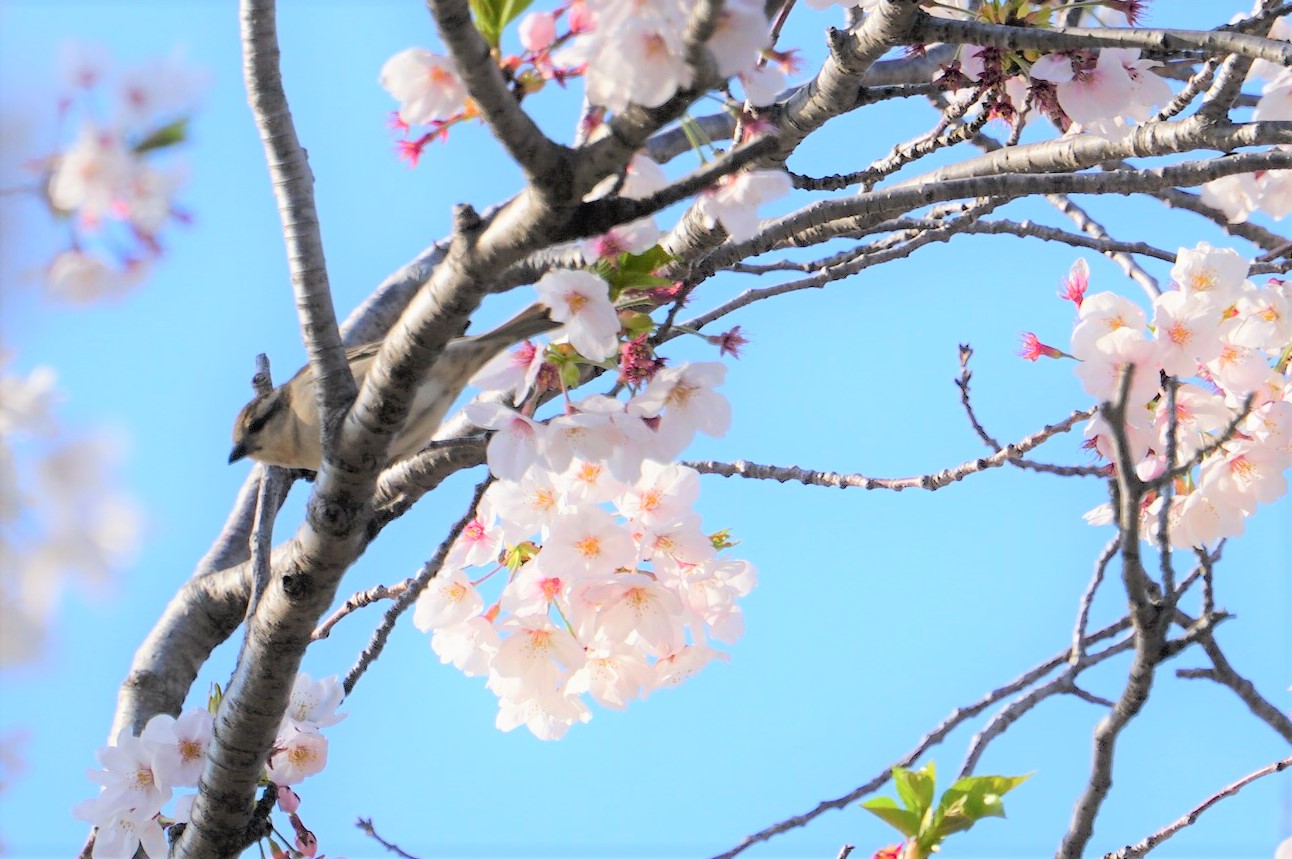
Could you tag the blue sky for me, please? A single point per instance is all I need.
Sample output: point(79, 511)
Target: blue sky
point(876, 614)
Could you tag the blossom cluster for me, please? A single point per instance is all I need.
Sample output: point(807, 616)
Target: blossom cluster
point(627, 53)
point(108, 182)
point(1219, 339)
point(607, 584)
point(140, 773)
point(1104, 91)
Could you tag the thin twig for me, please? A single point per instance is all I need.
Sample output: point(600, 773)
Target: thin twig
point(365, 826)
point(1135, 851)
point(934, 481)
point(928, 741)
point(1088, 598)
point(358, 601)
point(415, 587)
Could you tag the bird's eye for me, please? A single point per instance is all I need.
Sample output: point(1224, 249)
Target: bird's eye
point(267, 410)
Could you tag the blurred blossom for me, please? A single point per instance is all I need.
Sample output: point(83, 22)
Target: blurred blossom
point(111, 175)
point(60, 515)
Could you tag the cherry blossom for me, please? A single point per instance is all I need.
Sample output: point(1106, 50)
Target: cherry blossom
point(581, 300)
point(179, 745)
point(734, 201)
point(298, 754)
point(128, 779)
point(1217, 273)
point(1188, 329)
point(426, 85)
point(313, 703)
point(512, 372)
point(121, 832)
point(685, 401)
point(588, 542)
point(449, 599)
point(514, 445)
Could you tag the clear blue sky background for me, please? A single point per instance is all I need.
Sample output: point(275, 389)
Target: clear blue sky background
point(876, 615)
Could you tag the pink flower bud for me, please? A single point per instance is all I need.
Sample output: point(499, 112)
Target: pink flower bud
point(288, 801)
point(307, 843)
point(538, 31)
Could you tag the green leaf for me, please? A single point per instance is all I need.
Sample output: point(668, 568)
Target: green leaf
point(488, 17)
point(493, 16)
point(635, 271)
point(511, 10)
point(167, 135)
point(915, 788)
point(569, 373)
point(886, 809)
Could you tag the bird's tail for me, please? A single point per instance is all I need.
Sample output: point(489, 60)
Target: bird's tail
point(530, 322)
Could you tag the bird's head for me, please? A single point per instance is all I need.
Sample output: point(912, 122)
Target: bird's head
point(257, 423)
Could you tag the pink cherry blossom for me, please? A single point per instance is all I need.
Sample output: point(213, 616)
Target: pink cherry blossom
point(515, 443)
point(1218, 273)
point(581, 300)
point(426, 86)
point(480, 540)
point(636, 607)
point(130, 784)
point(677, 667)
point(587, 542)
point(548, 715)
point(537, 31)
point(733, 202)
point(298, 755)
point(1188, 329)
point(1100, 315)
point(534, 656)
point(179, 745)
point(1276, 99)
point(449, 599)
point(512, 372)
point(525, 506)
point(664, 493)
point(1100, 372)
point(313, 703)
point(122, 832)
point(1237, 195)
point(685, 401)
point(469, 646)
point(613, 676)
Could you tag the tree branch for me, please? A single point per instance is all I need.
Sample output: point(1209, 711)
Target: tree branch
point(1135, 851)
point(546, 164)
point(293, 185)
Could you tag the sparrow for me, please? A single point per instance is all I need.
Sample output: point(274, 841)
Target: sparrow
point(282, 427)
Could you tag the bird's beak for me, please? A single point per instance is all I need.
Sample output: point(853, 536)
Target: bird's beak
point(239, 451)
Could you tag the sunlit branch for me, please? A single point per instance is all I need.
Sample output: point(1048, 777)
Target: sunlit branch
point(938, 480)
point(376, 593)
point(414, 587)
point(1142, 848)
point(953, 720)
point(1064, 684)
point(542, 160)
point(930, 29)
point(1088, 597)
point(293, 185)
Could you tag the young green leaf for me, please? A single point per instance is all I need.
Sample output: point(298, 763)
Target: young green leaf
point(167, 135)
point(887, 810)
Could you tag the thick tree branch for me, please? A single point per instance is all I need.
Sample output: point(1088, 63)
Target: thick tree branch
point(1213, 42)
point(293, 184)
